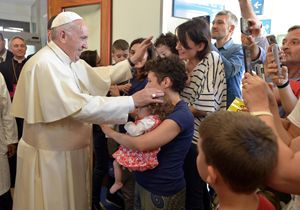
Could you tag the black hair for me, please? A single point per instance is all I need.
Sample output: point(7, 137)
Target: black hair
point(198, 31)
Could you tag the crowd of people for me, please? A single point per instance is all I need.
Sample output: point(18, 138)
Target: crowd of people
point(164, 105)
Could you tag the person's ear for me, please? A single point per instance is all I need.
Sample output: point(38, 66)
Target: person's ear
point(166, 82)
point(211, 175)
point(63, 36)
point(231, 28)
point(200, 46)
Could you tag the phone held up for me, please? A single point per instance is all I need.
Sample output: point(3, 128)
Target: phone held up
point(246, 51)
point(275, 51)
point(245, 24)
point(247, 59)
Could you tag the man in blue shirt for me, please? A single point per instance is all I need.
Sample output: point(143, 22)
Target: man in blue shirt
point(232, 55)
point(222, 29)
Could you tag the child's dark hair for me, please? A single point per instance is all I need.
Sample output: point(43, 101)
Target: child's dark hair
point(50, 21)
point(241, 147)
point(120, 44)
point(161, 110)
point(150, 49)
point(169, 40)
point(90, 56)
point(171, 67)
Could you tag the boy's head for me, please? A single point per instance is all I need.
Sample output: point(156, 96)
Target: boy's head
point(120, 50)
point(165, 45)
point(237, 149)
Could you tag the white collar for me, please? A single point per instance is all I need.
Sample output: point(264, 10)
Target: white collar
point(19, 60)
point(59, 53)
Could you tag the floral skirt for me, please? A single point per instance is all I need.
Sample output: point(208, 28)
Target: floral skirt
point(135, 160)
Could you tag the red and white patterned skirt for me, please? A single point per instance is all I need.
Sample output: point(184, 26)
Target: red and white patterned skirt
point(135, 160)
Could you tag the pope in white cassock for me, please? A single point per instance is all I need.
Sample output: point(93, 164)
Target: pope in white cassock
point(58, 96)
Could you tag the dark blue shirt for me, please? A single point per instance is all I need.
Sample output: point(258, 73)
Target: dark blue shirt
point(168, 177)
point(137, 85)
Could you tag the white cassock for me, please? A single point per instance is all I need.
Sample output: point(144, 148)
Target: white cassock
point(59, 100)
point(8, 135)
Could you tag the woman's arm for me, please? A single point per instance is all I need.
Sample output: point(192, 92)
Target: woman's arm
point(286, 175)
point(295, 144)
point(154, 139)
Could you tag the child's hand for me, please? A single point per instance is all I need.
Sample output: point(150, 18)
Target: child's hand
point(124, 88)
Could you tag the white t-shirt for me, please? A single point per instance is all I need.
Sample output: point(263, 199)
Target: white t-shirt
point(294, 116)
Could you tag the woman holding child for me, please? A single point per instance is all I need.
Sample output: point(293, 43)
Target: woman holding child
point(164, 186)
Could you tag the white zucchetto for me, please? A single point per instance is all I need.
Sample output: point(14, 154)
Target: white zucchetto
point(64, 18)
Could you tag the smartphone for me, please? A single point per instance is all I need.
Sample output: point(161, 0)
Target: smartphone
point(259, 69)
point(271, 39)
point(245, 24)
point(275, 51)
point(247, 59)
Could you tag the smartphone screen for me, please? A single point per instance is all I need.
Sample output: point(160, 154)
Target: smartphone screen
point(247, 59)
point(271, 39)
point(275, 51)
point(245, 26)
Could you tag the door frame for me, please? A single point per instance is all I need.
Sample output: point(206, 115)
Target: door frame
point(56, 6)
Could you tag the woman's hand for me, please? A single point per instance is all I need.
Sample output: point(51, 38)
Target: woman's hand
point(107, 129)
point(125, 88)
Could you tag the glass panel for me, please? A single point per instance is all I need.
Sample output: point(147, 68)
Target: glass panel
point(14, 26)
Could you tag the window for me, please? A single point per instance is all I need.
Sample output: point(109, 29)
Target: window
point(14, 26)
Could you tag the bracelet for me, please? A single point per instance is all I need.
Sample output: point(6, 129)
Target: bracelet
point(130, 62)
point(284, 85)
point(262, 113)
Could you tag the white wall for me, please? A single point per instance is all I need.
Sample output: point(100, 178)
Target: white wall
point(136, 18)
point(91, 16)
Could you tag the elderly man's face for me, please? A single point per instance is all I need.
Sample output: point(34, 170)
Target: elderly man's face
point(18, 48)
point(76, 40)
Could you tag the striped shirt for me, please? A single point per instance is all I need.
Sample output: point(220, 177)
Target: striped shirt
point(207, 88)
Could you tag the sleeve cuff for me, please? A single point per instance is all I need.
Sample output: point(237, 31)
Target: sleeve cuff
point(131, 104)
